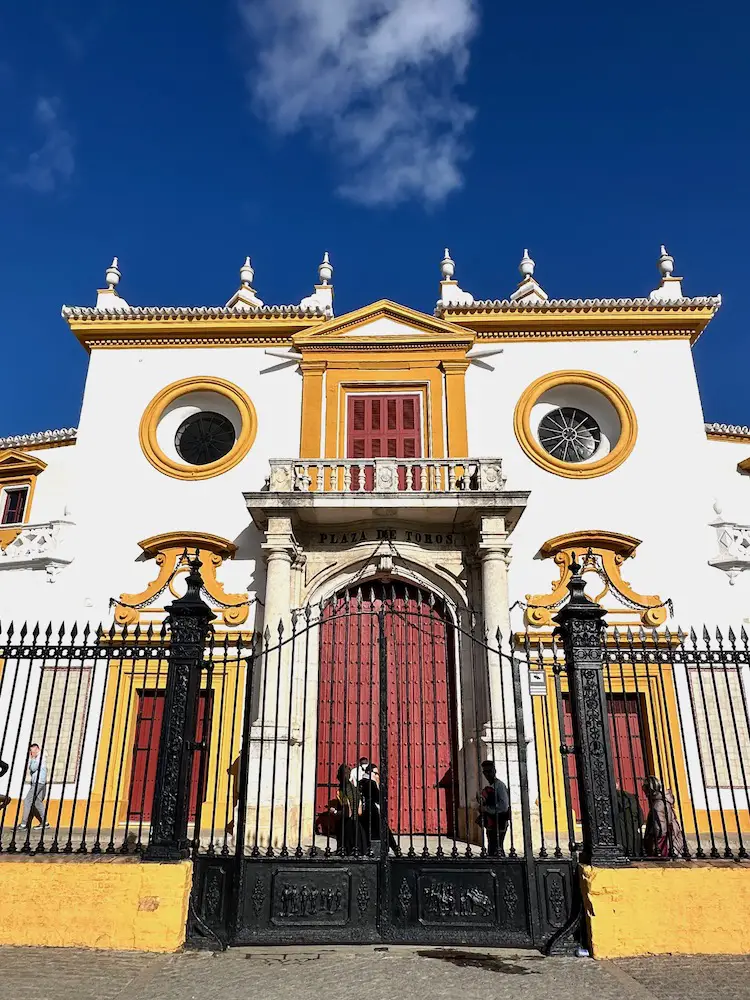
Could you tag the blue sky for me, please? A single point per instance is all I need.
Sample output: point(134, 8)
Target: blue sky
point(182, 136)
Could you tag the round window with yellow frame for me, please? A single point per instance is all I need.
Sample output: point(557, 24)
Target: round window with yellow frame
point(575, 424)
point(198, 428)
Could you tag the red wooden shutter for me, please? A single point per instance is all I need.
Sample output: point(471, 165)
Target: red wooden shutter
point(383, 427)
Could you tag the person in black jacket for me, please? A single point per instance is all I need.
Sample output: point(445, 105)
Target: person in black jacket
point(369, 791)
point(4, 799)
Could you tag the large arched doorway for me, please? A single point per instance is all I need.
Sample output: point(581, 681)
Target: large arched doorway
point(419, 701)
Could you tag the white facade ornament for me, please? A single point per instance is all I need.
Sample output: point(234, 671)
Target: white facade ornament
point(529, 291)
point(40, 546)
point(113, 273)
point(322, 298)
point(245, 298)
point(107, 299)
point(451, 293)
point(734, 546)
point(670, 287)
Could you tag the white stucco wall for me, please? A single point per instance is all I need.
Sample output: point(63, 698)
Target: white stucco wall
point(663, 493)
point(117, 498)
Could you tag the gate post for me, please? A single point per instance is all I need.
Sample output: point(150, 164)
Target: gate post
point(189, 618)
point(580, 625)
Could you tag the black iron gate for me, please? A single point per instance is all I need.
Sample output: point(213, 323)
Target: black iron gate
point(353, 798)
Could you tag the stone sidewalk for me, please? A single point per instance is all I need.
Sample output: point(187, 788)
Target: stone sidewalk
point(362, 974)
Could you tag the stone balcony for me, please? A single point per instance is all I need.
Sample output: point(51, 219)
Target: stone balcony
point(327, 491)
point(733, 541)
point(39, 546)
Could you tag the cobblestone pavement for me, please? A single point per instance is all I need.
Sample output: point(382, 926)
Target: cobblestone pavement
point(361, 974)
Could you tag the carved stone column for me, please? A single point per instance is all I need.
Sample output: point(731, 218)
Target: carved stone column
point(581, 627)
point(494, 554)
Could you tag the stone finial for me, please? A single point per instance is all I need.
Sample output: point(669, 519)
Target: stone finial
point(321, 299)
point(113, 273)
point(665, 262)
point(108, 299)
point(529, 291)
point(670, 287)
point(451, 294)
point(245, 298)
point(247, 273)
point(325, 270)
point(447, 266)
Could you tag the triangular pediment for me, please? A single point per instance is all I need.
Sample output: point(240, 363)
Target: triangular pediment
point(382, 323)
point(19, 463)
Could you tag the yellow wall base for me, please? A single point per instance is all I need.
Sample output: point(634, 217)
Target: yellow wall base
point(696, 908)
point(110, 903)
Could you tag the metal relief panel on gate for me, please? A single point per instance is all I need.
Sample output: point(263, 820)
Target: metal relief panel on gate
point(311, 897)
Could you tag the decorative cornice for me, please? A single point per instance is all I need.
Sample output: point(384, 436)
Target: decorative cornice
point(90, 313)
point(728, 432)
point(40, 439)
point(589, 305)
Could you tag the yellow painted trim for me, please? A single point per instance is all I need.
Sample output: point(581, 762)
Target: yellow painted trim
point(427, 382)
point(18, 468)
point(113, 903)
point(313, 376)
point(168, 551)
point(420, 328)
point(155, 409)
point(189, 540)
point(612, 550)
point(584, 322)
point(240, 330)
point(570, 470)
point(700, 908)
point(728, 438)
point(455, 403)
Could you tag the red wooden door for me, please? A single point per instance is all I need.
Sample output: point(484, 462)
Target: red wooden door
point(387, 426)
point(146, 751)
point(420, 707)
point(628, 747)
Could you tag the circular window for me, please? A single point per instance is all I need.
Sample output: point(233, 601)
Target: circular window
point(198, 428)
point(204, 438)
point(575, 424)
point(569, 434)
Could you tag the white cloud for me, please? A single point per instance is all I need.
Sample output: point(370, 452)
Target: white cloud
point(376, 79)
point(53, 162)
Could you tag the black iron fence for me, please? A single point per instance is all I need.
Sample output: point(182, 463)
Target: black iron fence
point(360, 728)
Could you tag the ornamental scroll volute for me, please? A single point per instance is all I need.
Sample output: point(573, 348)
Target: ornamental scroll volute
point(601, 554)
point(171, 552)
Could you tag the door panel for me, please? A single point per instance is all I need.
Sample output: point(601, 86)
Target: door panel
point(628, 747)
point(420, 707)
point(387, 426)
point(146, 751)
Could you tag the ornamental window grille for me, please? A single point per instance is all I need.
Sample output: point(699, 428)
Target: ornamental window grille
point(204, 438)
point(569, 434)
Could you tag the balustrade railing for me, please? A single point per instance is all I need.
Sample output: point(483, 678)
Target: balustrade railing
point(386, 475)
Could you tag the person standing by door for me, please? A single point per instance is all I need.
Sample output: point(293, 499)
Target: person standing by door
point(369, 792)
point(4, 799)
point(33, 804)
point(494, 808)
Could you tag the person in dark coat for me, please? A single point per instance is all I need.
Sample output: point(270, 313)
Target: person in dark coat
point(4, 799)
point(369, 791)
point(629, 823)
point(350, 833)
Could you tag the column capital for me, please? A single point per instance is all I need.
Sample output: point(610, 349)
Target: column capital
point(313, 367)
point(493, 539)
point(280, 540)
point(455, 367)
